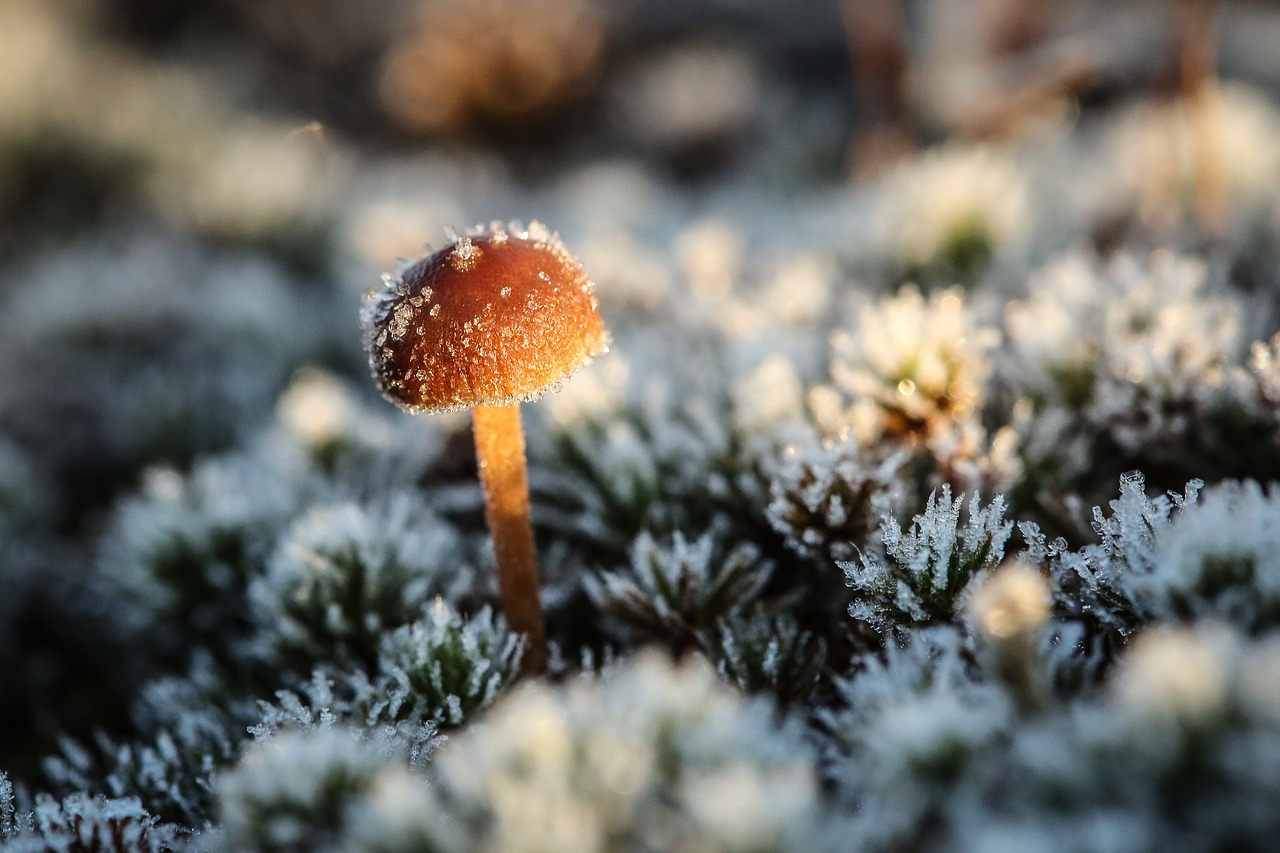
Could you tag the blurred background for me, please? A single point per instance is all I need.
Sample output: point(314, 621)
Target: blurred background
point(291, 125)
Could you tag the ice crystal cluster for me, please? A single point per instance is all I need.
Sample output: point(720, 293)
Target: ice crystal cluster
point(933, 511)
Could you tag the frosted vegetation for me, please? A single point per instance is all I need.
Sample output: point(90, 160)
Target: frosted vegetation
point(932, 512)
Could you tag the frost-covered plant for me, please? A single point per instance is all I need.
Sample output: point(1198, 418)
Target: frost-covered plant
point(322, 413)
point(654, 756)
point(828, 496)
point(323, 790)
point(1009, 611)
point(1179, 752)
point(949, 214)
point(763, 653)
point(1123, 332)
point(678, 592)
point(915, 726)
point(24, 498)
point(665, 459)
point(10, 821)
point(155, 372)
point(925, 363)
point(343, 574)
point(913, 373)
point(83, 824)
point(169, 773)
point(439, 671)
point(926, 573)
point(1186, 740)
point(1096, 585)
point(1132, 363)
point(66, 662)
point(767, 398)
point(444, 668)
point(1218, 557)
point(184, 729)
point(187, 549)
point(1154, 160)
point(179, 149)
point(1262, 385)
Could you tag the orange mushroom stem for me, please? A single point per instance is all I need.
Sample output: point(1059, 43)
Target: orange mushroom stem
point(500, 453)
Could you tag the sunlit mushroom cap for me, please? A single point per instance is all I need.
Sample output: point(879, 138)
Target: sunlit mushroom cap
point(499, 316)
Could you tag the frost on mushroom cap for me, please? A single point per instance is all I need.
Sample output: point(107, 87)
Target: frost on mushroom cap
point(496, 317)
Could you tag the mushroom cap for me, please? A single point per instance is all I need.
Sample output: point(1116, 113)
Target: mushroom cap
point(494, 318)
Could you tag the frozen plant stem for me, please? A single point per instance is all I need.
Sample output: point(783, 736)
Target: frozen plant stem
point(500, 453)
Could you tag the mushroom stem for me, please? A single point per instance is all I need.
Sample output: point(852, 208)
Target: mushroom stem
point(500, 453)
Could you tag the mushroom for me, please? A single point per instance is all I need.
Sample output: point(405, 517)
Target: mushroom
point(497, 317)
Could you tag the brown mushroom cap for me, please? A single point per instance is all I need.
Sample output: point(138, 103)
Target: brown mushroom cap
point(496, 317)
